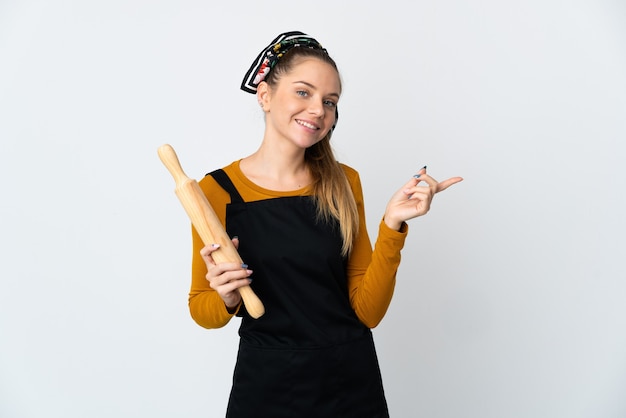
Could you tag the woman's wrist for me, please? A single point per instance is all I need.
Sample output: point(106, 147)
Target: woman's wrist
point(392, 224)
point(232, 309)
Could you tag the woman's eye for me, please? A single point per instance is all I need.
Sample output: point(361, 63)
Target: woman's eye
point(330, 103)
point(301, 93)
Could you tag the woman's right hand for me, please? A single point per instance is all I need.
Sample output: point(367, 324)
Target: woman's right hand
point(226, 278)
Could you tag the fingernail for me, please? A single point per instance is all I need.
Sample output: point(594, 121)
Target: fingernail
point(235, 237)
point(249, 279)
point(417, 176)
point(244, 266)
point(215, 245)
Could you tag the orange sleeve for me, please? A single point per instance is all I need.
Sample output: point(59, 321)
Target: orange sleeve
point(205, 305)
point(372, 274)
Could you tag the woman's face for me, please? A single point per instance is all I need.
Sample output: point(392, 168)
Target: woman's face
point(300, 108)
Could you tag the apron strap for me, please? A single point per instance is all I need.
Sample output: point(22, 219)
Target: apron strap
point(224, 181)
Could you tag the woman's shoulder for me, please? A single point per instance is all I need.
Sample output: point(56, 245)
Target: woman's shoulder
point(351, 173)
point(208, 182)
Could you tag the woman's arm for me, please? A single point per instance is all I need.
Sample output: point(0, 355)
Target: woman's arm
point(372, 274)
point(205, 304)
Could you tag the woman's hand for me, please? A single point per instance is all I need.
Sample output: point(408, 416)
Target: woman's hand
point(414, 200)
point(226, 278)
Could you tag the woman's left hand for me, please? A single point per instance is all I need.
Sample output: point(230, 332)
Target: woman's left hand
point(414, 200)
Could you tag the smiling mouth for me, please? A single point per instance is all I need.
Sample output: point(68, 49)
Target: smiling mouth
point(307, 124)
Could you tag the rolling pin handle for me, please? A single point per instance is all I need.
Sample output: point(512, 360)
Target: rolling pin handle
point(170, 160)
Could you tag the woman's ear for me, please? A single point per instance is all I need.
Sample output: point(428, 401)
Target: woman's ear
point(263, 95)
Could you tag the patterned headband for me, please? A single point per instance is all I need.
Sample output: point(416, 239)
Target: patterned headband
point(268, 58)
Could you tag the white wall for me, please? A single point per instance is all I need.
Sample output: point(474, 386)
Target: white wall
point(510, 299)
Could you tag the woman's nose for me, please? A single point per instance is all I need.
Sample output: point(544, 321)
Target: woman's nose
point(316, 108)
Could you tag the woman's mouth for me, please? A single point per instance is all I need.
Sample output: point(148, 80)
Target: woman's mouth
point(307, 124)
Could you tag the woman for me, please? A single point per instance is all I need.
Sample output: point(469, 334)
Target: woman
point(298, 220)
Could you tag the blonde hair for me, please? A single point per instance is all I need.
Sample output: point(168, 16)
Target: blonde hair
point(331, 189)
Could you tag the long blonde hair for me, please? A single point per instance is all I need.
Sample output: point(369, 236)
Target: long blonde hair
point(331, 189)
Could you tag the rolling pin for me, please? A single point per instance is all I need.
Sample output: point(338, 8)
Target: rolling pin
point(208, 226)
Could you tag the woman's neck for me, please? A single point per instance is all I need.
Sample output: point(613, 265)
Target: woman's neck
point(278, 170)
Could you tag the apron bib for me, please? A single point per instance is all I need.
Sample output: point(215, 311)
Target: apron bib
point(308, 355)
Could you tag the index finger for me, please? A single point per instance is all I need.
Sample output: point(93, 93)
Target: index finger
point(447, 183)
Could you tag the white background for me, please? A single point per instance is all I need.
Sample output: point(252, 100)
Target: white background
point(510, 300)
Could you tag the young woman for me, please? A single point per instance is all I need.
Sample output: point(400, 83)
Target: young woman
point(297, 217)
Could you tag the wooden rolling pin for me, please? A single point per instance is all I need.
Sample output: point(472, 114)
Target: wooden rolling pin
point(208, 226)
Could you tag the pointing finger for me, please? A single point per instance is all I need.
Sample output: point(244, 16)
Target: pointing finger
point(447, 183)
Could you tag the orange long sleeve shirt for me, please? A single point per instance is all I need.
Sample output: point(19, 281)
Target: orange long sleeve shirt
point(371, 273)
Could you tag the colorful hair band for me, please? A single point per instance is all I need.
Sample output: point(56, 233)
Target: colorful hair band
point(270, 55)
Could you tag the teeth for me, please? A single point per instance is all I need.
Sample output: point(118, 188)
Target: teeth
point(308, 125)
